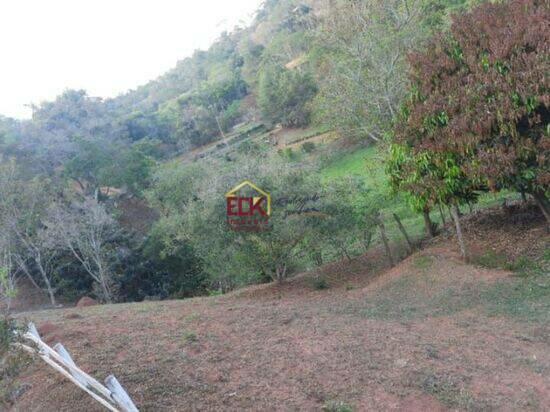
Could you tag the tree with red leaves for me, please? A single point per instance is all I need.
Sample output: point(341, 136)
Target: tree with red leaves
point(480, 94)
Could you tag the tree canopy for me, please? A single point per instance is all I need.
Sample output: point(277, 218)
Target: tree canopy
point(479, 95)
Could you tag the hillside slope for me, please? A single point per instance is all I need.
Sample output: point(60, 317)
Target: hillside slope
point(432, 333)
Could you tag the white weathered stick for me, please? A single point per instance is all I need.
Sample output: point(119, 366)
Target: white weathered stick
point(60, 359)
point(60, 349)
point(119, 394)
point(75, 370)
point(33, 331)
point(61, 370)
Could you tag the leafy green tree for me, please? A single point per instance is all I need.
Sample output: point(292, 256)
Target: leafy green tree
point(284, 95)
point(85, 229)
point(274, 251)
point(88, 168)
point(195, 213)
point(23, 207)
point(480, 97)
point(428, 179)
point(100, 164)
point(217, 98)
point(131, 168)
point(8, 290)
point(155, 270)
point(361, 52)
point(348, 216)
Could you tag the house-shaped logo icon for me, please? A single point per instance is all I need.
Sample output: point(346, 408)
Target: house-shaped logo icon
point(257, 205)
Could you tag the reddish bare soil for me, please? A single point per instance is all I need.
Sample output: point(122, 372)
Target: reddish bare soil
point(432, 333)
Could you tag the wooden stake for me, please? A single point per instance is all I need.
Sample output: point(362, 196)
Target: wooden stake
point(460, 238)
point(385, 240)
point(60, 359)
point(404, 232)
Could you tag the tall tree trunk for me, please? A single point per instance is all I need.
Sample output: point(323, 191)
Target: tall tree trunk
point(385, 240)
point(430, 227)
point(318, 257)
point(106, 292)
point(404, 232)
point(345, 253)
point(49, 288)
point(281, 272)
point(104, 286)
point(23, 266)
point(219, 127)
point(459, 236)
point(45, 278)
point(367, 239)
point(523, 197)
point(443, 219)
point(51, 294)
point(544, 204)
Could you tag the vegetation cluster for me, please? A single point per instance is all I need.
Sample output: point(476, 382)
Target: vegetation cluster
point(122, 198)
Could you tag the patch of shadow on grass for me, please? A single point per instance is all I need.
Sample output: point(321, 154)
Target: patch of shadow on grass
point(525, 296)
point(448, 389)
point(336, 406)
point(319, 283)
point(413, 297)
point(190, 337)
point(422, 262)
point(491, 259)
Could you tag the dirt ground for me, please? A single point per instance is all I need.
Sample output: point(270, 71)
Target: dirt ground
point(430, 334)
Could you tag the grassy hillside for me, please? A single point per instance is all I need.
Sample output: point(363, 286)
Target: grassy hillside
point(368, 163)
point(268, 99)
point(432, 333)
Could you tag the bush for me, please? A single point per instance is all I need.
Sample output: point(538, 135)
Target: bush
point(230, 115)
point(249, 148)
point(288, 153)
point(337, 406)
point(523, 266)
point(308, 147)
point(319, 283)
point(7, 329)
point(156, 269)
point(283, 96)
point(12, 361)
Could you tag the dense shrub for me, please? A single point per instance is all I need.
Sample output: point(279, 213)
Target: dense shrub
point(283, 96)
point(308, 147)
point(480, 96)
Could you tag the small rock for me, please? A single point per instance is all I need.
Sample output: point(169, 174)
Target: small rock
point(542, 334)
point(86, 301)
point(287, 320)
point(431, 352)
point(73, 316)
point(19, 391)
point(47, 329)
point(401, 363)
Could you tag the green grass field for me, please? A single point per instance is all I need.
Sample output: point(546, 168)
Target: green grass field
point(368, 163)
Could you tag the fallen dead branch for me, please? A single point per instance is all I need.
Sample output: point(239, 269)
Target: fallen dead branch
point(111, 395)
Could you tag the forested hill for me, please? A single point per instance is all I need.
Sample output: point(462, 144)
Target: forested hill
point(335, 63)
point(122, 198)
